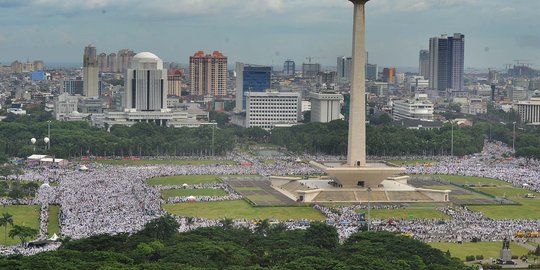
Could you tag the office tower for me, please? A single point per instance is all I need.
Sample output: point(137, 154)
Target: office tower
point(446, 62)
point(270, 108)
point(146, 83)
point(39, 65)
point(372, 72)
point(424, 64)
point(289, 68)
point(389, 75)
point(90, 72)
point(208, 74)
point(112, 62)
point(124, 57)
point(456, 55)
point(344, 67)
point(28, 66)
point(493, 76)
point(310, 70)
point(250, 78)
point(327, 77)
point(175, 82)
point(325, 107)
point(102, 62)
point(73, 86)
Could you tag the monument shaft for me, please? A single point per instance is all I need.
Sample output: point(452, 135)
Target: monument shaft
point(356, 151)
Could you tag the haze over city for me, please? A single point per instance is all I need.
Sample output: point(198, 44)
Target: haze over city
point(266, 32)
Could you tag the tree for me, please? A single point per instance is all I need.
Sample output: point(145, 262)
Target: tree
point(23, 233)
point(6, 219)
point(161, 228)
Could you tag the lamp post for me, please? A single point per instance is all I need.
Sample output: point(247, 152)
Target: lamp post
point(369, 208)
point(213, 134)
point(48, 142)
point(514, 137)
point(33, 141)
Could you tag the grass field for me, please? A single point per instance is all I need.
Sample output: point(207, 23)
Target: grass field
point(192, 192)
point(53, 226)
point(241, 209)
point(25, 215)
point(472, 180)
point(529, 209)
point(468, 196)
point(407, 213)
point(488, 249)
point(182, 179)
point(508, 192)
point(165, 162)
point(411, 162)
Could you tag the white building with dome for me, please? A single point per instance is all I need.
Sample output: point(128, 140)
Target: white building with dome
point(146, 83)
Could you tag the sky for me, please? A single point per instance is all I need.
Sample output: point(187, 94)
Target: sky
point(268, 31)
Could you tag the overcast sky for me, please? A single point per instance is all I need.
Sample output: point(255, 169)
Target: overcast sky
point(268, 31)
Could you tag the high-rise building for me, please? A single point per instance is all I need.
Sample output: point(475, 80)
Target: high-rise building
point(102, 62)
point(424, 64)
point(344, 68)
point(16, 67)
point(446, 62)
point(112, 63)
point(208, 74)
point(175, 82)
point(325, 107)
point(90, 72)
point(250, 78)
point(73, 86)
point(389, 75)
point(146, 83)
point(372, 72)
point(310, 70)
point(456, 61)
point(289, 68)
point(124, 57)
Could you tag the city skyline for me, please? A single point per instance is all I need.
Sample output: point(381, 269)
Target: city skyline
point(267, 32)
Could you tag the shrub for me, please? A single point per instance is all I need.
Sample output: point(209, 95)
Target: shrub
point(469, 258)
point(479, 257)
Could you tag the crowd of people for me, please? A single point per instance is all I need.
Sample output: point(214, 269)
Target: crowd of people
point(113, 199)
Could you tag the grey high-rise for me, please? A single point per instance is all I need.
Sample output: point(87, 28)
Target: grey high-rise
point(289, 68)
point(456, 57)
point(90, 72)
point(446, 62)
point(344, 68)
point(424, 64)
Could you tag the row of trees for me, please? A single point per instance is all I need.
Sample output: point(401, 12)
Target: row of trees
point(72, 139)
point(160, 246)
point(22, 232)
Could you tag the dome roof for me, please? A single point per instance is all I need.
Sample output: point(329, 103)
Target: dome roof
point(145, 55)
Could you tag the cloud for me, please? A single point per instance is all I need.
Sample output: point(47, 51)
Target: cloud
point(529, 41)
point(12, 3)
point(419, 5)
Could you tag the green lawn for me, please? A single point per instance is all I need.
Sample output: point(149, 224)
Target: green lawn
point(165, 162)
point(407, 213)
point(468, 196)
point(25, 215)
point(411, 162)
point(529, 209)
point(53, 225)
point(488, 249)
point(472, 180)
point(508, 192)
point(182, 179)
point(192, 192)
point(241, 209)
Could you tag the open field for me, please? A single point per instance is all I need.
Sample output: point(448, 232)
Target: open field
point(508, 192)
point(268, 198)
point(164, 162)
point(192, 192)
point(529, 209)
point(407, 213)
point(488, 249)
point(241, 209)
point(53, 226)
point(25, 215)
point(182, 179)
point(457, 179)
point(411, 162)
